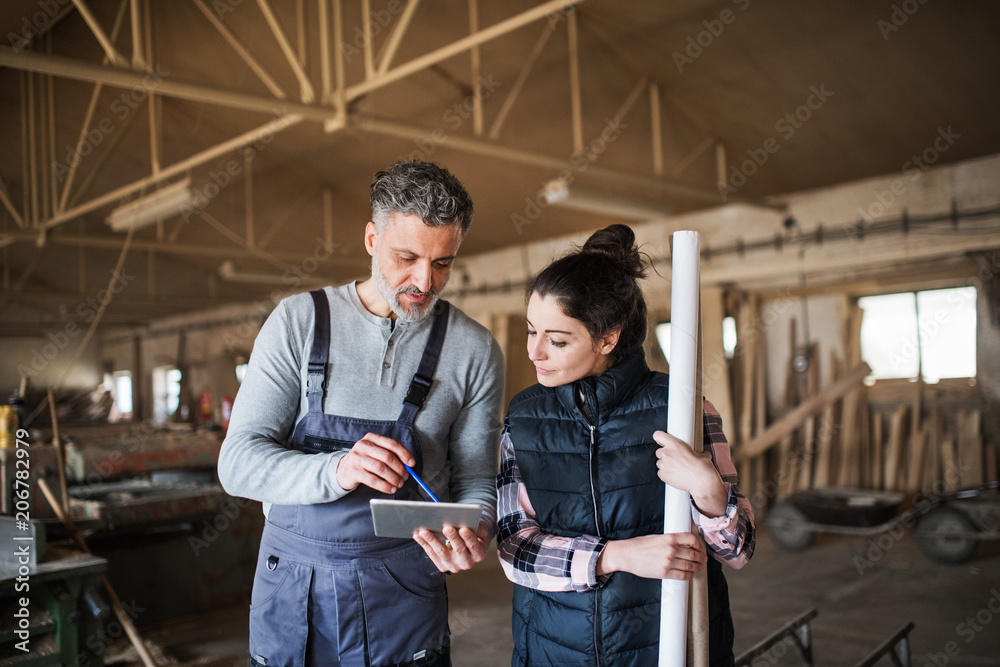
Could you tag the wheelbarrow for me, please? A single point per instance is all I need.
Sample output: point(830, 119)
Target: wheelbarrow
point(947, 526)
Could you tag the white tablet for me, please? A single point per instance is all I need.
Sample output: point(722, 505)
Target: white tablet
point(402, 518)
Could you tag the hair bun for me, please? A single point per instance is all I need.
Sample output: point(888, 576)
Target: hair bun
point(617, 243)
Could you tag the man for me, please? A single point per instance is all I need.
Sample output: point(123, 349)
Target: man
point(346, 386)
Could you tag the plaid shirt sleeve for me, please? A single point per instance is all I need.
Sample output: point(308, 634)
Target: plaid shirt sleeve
point(530, 557)
point(730, 537)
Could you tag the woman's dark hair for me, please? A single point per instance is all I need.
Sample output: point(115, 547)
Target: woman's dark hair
point(598, 285)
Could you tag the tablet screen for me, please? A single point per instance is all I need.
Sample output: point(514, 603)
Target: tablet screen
point(402, 518)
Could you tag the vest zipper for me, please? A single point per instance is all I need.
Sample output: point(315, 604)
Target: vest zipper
point(597, 526)
point(592, 419)
point(593, 489)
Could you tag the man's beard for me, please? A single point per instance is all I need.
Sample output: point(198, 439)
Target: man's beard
point(416, 312)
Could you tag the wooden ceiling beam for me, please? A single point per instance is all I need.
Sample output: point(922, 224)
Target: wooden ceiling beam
point(392, 44)
point(528, 158)
point(102, 37)
point(460, 46)
point(307, 92)
point(161, 83)
point(242, 51)
point(190, 250)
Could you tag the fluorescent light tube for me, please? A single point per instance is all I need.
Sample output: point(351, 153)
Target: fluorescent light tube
point(142, 212)
point(558, 193)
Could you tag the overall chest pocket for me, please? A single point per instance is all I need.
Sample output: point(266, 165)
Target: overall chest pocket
point(314, 444)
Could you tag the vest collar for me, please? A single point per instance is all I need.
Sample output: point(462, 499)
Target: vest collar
point(611, 388)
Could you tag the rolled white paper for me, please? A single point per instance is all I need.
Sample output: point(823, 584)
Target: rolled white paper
point(685, 286)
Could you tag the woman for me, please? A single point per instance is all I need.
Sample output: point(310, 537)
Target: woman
point(581, 478)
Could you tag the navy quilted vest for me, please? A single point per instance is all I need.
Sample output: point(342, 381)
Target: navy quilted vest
point(599, 480)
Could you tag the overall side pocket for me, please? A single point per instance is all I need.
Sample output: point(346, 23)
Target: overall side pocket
point(279, 603)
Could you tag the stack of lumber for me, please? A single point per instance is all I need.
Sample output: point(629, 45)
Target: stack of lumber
point(904, 436)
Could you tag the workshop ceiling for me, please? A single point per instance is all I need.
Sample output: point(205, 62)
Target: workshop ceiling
point(815, 93)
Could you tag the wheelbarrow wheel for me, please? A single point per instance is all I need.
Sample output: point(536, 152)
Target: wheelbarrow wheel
point(788, 527)
point(944, 548)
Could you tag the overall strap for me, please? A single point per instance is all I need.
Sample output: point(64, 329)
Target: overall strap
point(421, 382)
point(319, 354)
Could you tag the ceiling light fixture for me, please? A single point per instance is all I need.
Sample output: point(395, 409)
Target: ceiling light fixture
point(559, 193)
point(159, 205)
point(228, 272)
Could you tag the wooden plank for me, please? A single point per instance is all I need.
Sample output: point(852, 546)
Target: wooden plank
point(786, 461)
point(949, 462)
point(850, 460)
point(827, 429)
point(716, 367)
point(864, 442)
point(932, 452)
point(878, 467)
point(759, 464)
point(915, 460)
point(990, 456)
point(791, 421)
point(970, 447)
point(747, 312)
point(893, 450)
point(746, 354)
point(809, 427)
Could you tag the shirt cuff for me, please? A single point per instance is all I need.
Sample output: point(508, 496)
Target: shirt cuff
point(718, 523)
point(336, 489)
point(583, 566)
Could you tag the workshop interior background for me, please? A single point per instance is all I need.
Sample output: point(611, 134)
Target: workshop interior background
point(169, 170)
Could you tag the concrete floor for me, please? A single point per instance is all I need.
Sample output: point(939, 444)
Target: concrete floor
point(863, 592)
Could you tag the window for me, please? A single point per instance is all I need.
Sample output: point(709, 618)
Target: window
point(123, 392)
point(930, 334)
point(166, 392)
point(728, 337)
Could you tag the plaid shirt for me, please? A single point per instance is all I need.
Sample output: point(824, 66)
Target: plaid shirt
point(552, 563)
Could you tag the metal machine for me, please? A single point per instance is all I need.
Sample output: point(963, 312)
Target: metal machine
point(149, 502)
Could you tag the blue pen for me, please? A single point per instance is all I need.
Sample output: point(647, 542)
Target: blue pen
point(416, 478)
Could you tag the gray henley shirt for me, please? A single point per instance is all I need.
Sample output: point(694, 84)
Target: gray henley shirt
point(372, 361)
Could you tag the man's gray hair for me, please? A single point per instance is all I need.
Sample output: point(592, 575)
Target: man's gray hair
point(423, 189)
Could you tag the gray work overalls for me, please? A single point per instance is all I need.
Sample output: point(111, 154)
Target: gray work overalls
point(327, 591)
